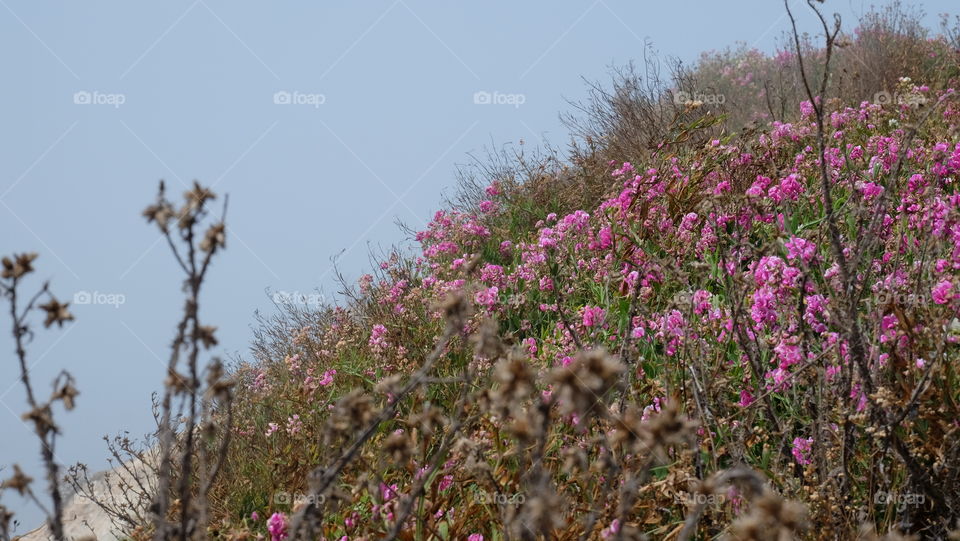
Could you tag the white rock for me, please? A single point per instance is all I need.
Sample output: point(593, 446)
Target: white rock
point(82, 518)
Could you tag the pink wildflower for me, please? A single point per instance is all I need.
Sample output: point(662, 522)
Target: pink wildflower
point(378, 339)
point(294, 424)
point(487, 297)
point(942, 293)
point(800, 248)
point(327, 378)
point(388, 492)
point(592, 316)
point(611, 531)
point(277, 526)
point(801, 450)
point(446, 482)
point(871, 191)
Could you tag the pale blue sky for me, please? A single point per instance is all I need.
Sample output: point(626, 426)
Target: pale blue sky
point(197, 80)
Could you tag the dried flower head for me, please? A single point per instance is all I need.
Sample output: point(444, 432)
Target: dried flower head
point(42, 418)
point(56, 313)
point(67, 393)
point(19, 481)
point(398, 446)
point(516, 381)
point(455, 309)
point(18, 266)
point(351, 412)
point(214, 238)
point(582, 385)
point(539, 514)
point(486, 341)
point(668, 428)
point(206, 335)
point(160, 213)
point(770, 517)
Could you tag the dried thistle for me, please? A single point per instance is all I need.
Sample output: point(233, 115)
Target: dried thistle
point(214, 238)
point(516, 380)
point(20, 265)
point(66, 393)
point(770, 517)
point(56, 313)
point(668, 428)
point(351, 412)
point(582, 385)
point(19, 481)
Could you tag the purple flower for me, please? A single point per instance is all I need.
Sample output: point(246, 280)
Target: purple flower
point(277, 526)
point(800, 248)
point(801, 450)
point(942, 293)
point(446, 482)
point(592, 316)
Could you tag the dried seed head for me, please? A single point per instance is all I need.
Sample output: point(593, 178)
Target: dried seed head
point(390, 384)
point(197, 196)
point(486, 341)
point(42, 418)
point(456, 310)
point(206, 335)
point(582, 385)
point(574, 460)
point(521, 427)
point(429, 420)
point(351, 412)
point(19, 481)
point(67, 393)
point(474, 462)
point(627, 428)
point(179, 383)
point(516, 381)
point(539, 514)
point(160, 213)
point(770, 517)
point(668, 428)
point(218, 383)
point(214, 238)
point(397, 446)
point(56, 313)
point(18, 266)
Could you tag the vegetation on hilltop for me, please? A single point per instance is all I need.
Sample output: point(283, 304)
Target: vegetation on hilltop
point(731, 309)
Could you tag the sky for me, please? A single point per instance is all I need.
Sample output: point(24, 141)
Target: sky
point(326, 122)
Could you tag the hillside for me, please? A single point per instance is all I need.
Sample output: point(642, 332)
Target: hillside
point(730, 309)
point(741, 332)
